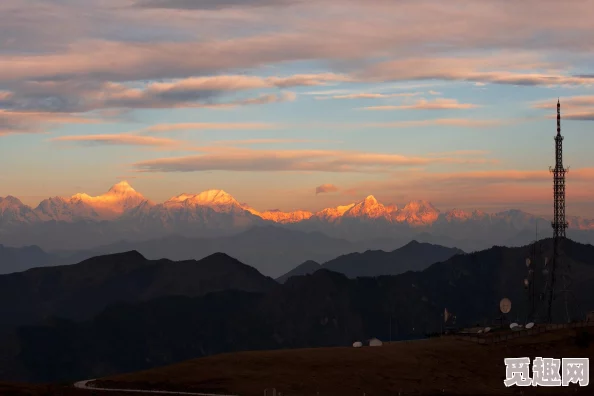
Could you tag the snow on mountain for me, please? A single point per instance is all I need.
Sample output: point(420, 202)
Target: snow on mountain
point(13, 211)
point(283, 217)
point(65, 209)
point(109, 206)
point(370, 208)
point(332, 214)
point(120, 198)
point(216, 212)
point(418, 213)
point(580, 223)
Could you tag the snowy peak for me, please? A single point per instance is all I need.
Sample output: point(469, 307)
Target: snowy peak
point(10, 202)
point(217, 200)
point(120, 198)
point(418, 213)
point(331, 214)
point(460, 215)
point(368, 208)
point(122, 188)
point(12, 210)
point(206, 198)
point(285, 217)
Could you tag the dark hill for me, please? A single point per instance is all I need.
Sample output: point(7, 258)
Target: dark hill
point(413, 256)
point(271, 250)
point(309, 267)
point(82, 290)
point(321, 309)
point(20, 259)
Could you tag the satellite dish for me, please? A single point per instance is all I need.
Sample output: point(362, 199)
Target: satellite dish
point(530, 325)
point(480, 331)
point(505, 305)
point(488, 329)
point(527, 262)
point(513, 326)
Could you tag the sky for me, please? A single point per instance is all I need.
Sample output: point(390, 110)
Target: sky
point(299, 104)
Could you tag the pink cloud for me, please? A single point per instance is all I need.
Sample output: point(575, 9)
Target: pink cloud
point(208, 126)
point(36, 122)
point(364, 95)
point(243, 159)
point(326, 188)
point(423, 104)
point(117, 140)
point(457, 122)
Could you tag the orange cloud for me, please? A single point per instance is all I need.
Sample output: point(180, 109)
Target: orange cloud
point(117, 140)
point(579, 108)
point(265, 141)
point(364, 95)
point(457, 122)
point(500, 188)
point(36, 122)
point(423, 104)
point(208, 126)
point(243, 159)
point(326, 188)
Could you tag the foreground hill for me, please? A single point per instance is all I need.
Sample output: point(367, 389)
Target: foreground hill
point(83, 290)
point(443, 366)
point(322, 309)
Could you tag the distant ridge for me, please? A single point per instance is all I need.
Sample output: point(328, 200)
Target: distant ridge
point(309, 267)
point(414, 256)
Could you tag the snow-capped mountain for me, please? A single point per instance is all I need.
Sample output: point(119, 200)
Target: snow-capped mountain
point(13, 211)
point(119, 199)
point(123, 213)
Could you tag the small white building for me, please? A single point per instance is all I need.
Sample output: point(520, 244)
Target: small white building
point(357, 344)
point(375, 342)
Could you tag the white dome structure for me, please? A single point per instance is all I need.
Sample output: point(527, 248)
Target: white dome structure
point(357, 344)
point(375, 342)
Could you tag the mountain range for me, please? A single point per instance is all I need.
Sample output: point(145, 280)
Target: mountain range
point(123, 313)
point(83, 222)
point(414, 256)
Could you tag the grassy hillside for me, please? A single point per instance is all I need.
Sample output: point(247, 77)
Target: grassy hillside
point(426, 367)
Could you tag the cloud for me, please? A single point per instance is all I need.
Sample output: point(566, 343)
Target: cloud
point(570, 102)
point(189, 126)
point(457, 122)
point(434, 93)
point(364, 95)
point(461, 152)
point(265, 141)
point(502, 69)
point(578, 108)
point(117, 140)
point(36, 122)
point(213, 91)
point(243, 159)
point(423, 104)
point(209, 4)
point(326, 188)
point(479, 188)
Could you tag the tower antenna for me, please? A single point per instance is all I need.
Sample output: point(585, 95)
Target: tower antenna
point(559, 224)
